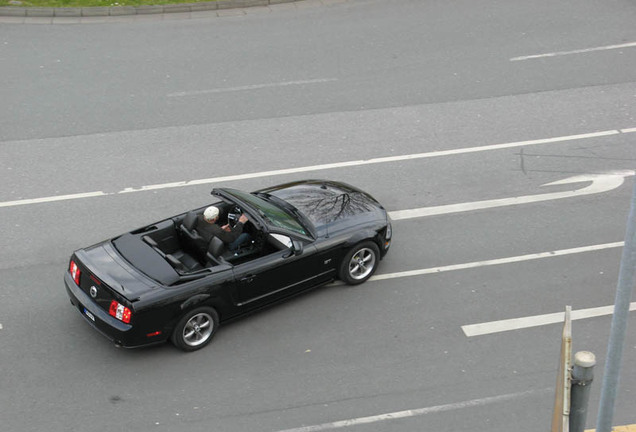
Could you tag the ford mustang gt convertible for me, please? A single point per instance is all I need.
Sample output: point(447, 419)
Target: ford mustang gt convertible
point(166, 281)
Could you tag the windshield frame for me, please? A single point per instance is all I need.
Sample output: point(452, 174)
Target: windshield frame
point(260, 205)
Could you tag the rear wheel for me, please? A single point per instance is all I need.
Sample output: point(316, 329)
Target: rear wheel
point(360, 263)
point(195, 329)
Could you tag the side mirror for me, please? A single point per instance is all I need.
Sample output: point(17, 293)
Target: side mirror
point(296, 248)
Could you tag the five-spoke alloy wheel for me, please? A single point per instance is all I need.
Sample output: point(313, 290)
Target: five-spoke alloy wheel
point(195, 329)
point(360, 263)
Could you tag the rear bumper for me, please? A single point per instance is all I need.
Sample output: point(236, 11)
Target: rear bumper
point(116, 331)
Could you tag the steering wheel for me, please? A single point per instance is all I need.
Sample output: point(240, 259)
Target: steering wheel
point(234, 215)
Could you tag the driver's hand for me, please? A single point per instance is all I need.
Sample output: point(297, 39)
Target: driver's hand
point(242, 218)
point(226, 227)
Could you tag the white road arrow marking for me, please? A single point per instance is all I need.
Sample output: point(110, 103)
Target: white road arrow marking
point(328, 166)
point(599, 183)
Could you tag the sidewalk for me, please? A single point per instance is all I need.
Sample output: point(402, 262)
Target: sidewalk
point(628, 428)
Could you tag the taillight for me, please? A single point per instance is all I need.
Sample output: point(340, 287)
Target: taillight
point(75, 272)
point(119, 311)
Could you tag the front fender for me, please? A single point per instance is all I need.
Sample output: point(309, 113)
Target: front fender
point(367, 234)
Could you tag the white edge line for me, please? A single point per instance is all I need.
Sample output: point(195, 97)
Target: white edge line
point(536, 320)
point(319, 167)
point(414, 412)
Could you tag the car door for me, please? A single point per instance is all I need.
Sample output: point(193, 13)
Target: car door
point(280, 274)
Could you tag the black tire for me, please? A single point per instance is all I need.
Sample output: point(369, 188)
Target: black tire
point(360, 263)
point(195, 329)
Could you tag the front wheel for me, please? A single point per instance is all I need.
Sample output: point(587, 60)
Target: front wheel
point(195, 329)
point(360, 263)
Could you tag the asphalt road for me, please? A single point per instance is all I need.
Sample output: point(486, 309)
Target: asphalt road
point(128, 113)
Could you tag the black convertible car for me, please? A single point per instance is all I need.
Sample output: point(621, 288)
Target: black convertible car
point(162, 282)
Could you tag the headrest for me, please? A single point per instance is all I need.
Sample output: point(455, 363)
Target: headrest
point(190, 220)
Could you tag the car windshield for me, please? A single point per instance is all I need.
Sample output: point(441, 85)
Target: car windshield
point(274, 214)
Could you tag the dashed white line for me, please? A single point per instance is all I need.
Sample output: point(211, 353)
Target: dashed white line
point(251, 87)
point(515, 323)
point(579, 51)
point(499, 261)
point(52, 199)
point(335, 165)
point(536, 320)
point(414, 412)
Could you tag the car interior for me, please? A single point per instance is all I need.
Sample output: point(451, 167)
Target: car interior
point(179, 243)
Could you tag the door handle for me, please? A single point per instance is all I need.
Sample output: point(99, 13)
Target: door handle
point(247, 279)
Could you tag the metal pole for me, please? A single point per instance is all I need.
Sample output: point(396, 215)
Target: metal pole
point(561, 413)
point(582, 376)
point(619, 323)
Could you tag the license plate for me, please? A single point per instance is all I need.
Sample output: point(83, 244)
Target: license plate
point(89, 314)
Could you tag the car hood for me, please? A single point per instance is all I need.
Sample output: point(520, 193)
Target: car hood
point(327, 202)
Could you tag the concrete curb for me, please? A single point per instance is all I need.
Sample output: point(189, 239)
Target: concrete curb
point(12, 11)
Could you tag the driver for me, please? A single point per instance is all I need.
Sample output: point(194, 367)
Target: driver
point(233, 237)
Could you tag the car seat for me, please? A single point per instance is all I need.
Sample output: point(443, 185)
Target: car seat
point(193, 240)
point(216, 247)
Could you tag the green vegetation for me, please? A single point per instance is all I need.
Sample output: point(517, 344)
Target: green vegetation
point(90, 3)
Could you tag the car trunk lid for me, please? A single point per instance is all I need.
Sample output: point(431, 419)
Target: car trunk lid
point(107, 276)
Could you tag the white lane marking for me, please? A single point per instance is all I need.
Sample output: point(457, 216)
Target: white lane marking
point(508, 260)
point(53, 198)
point(321, 167)
point(600, 183)
point(536, 320)
point(579, 51)
point(414, 412)
point(251, 87)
